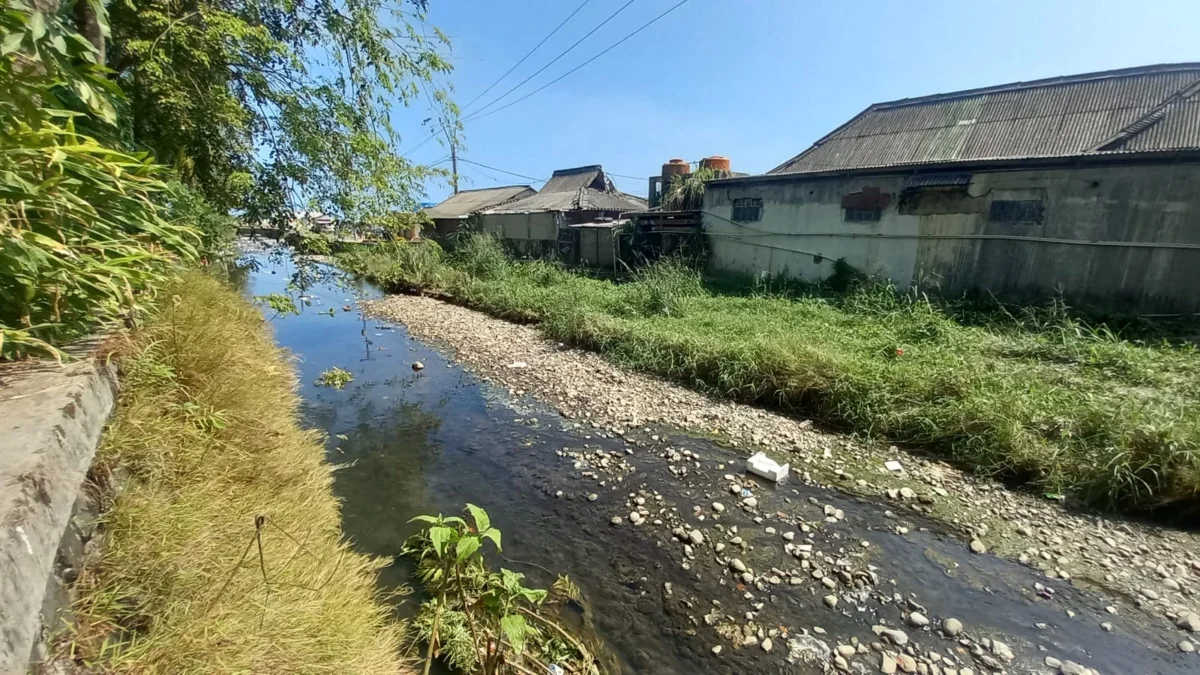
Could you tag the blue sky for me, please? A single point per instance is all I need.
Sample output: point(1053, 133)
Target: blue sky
point(755, 80)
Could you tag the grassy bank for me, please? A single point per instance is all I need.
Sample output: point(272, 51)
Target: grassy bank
point(207, 426)
point(1033, 394)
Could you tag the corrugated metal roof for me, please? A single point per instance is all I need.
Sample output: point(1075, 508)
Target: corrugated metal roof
point(581, 199)
point(1064, 116)
point(469, 201)
point(570, 180)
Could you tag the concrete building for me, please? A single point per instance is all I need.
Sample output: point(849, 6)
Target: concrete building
point(1086, 185)
point(454, 211)
point(541, 224)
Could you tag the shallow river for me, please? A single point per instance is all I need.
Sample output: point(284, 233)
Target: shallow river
point(429, 441)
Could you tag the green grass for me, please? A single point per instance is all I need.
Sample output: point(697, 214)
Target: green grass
point(207, 424)
point(1032, 394)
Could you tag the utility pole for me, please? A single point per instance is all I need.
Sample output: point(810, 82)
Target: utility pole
point(454, 163)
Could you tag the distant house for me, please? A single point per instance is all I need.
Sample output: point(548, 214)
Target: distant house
point(448, 215)
point(1088, 185)
point(544, 222)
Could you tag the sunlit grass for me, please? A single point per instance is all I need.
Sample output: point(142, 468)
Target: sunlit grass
point(207, 425)
point(1032, 393)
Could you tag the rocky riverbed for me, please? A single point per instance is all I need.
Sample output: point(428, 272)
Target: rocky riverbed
point(837, 578)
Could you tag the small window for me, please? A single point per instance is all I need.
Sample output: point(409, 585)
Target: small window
point(1016, 211)
point(747, 210)
point(863, 215)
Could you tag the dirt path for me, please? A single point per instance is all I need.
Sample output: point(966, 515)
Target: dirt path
point(1150, 574)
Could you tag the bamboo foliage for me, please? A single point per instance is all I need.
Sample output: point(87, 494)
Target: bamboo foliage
point(81, 234)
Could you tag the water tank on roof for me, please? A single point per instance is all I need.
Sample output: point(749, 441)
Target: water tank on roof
point(676, 167)
point(716, 163)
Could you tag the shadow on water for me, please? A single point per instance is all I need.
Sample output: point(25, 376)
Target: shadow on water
point(429, 441)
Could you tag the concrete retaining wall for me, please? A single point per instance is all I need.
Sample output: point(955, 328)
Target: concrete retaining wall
point(51, 418)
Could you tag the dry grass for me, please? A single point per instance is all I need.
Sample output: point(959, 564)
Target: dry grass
point(207, 424)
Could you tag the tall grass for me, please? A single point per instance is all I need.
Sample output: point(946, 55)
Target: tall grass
point(1034, 394)
point(207, 424)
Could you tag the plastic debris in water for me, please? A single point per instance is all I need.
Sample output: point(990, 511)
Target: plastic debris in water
point(556, 669)
point(761, 465)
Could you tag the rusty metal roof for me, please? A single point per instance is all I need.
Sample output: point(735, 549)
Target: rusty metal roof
point(1154, 108)
point(467, 202)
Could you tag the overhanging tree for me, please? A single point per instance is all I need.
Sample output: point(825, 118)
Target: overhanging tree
point(266, 106)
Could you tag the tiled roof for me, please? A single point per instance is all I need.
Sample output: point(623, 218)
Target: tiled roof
point(467, 202)
point(1155, 108)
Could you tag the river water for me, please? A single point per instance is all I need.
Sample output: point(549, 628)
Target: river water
point(428, 441)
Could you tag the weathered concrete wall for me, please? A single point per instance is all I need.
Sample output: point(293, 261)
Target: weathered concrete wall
point(521, 226)
point(1115, 237)
point(50, 423)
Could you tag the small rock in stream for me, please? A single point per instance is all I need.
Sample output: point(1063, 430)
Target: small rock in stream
point(417, 365)
point(952, 627)
point(977, 546)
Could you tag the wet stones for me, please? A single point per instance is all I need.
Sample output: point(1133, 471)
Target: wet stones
point(952, 627)
point(917, 620)
point(696, 537)
point(737, 565)
point(977, 546)
point(831, 601)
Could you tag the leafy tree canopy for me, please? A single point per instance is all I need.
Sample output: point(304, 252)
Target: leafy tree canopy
point(267, 106)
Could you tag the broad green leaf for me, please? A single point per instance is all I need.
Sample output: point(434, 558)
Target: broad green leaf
point(12, 42)
point(494, 535)
point(37, 25)
point(439, 537)
point(482, 521)
point(422, 519)
point(514, 628)
point(466, 547)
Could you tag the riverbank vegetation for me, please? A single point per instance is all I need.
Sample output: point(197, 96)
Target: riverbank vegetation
point(485, 622)
point(1034, 393)
point(223, 551)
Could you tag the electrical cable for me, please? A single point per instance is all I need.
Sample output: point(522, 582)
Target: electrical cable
point(511, 173)
point(616, 44)
point(555, 60)
point(527, 55)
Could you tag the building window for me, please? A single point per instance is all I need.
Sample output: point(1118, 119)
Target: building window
point(863, 215)
point(747, 210)
point(1017, 211)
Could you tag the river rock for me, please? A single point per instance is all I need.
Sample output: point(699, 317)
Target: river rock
point(747, 578)
point(716, 650)
point(1072, 668)
point(846, 650)
point(1190, 621)
point(907, 663)
point(718, 507)
point(896, 636)
point(1186, 647)
point(918, 619)
point(417, 365)
point(737, 565)
point(593, 497)
point(831, 601)
point(617, 520)
point(767, 644)
point(952, 627)
point(977, 546)
point(1002, 650)
point(696, 537)
point(888, 664)
point(635, 518)
point(750, 502)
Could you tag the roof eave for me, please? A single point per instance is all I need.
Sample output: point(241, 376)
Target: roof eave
point(977, 164)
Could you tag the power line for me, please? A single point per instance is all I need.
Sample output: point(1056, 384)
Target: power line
point(518, 175)
point(555, 60)
point(569, 72)
point(527, 55)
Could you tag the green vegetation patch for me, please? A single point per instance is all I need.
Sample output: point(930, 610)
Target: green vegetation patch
point(1034, 394)
point(224, 551)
